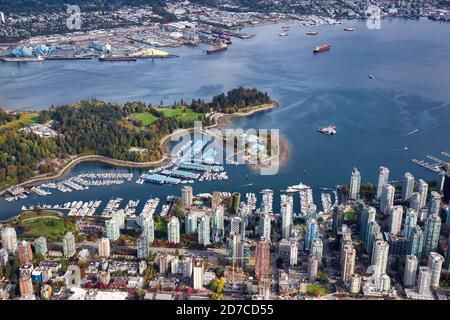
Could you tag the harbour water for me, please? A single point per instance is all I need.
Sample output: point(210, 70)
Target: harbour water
point(401, 113)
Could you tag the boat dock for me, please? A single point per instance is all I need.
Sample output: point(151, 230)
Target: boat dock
point(426, 165)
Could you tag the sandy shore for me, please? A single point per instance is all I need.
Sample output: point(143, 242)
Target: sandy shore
point(222, 122)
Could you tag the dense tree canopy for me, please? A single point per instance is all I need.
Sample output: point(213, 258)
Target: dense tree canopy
point(102, 128)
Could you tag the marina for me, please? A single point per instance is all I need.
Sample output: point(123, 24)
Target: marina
point(79, 182)
point(437, 166)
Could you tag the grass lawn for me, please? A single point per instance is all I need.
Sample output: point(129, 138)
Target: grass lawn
point(51, 228)
point(33, 214)
point(186, 114)
point(316, 290)
point(351, 215)
point(145, 117)
point(25, 118)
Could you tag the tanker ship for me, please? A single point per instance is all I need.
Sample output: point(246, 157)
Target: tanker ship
point(322, 48)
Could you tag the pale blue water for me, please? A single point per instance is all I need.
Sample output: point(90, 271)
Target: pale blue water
point(410, 61)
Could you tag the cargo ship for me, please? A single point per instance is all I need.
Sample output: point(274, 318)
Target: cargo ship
point(322, 48)
point(330, 130)
point(217, 48)
point(311, 33)
point(117, 58)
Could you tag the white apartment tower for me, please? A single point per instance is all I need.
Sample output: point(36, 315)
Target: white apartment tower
point(173, 230)
point(383, 179)
point(409, 277)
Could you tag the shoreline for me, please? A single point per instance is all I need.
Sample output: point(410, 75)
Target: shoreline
point(221, 121)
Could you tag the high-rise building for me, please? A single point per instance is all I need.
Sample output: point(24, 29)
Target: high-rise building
point(244, 221)
point(409, 277)
point(410, 221)
point(422, 188)
point(148, 229)
point(383, 179)
point(262, 257)
point(235, 225)
point(287, 203)
point(311, 212)
point(313, 265)
point(385, 283)
point(293, 253)
point(119, 216)
point(9, 239)
point(235, 201)
point(163, 263)
point(104, 248)
point(142, 247)
point(216, 200)
point(317, 248)
point(446, 185)
point(346, 236)
point(387, 198)
point(416, 241)
point(435, 261)
point(447, 215)
point(372, 228)
point(415, 201)
point(368, 214)
point(4, 257)
point(26, 286)
point(355, 283)
point(348, 259)
point(431, 234)
point(204, 233)
point(233, 246)
point(265, 227)
point(395, 219)
point(422, 215)
point(69, 249)
point(218, 223)
point(187, 196)
point(40, 246)
point(380, 257)
point(238, 250)
point(355, 184)
point(190, 225)
point(24, 252)
point(338, 220)
point(447, 256)
point(424, 281)
point(435, 204)
point(186, 267)
point(173, 230)
point(112, 229)
point(408, 186)
point(267, 201)
point(198, 274)
point(312, 232)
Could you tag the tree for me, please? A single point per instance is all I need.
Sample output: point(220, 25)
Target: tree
point(38, 258)
point(220, 272)
point(149, 273)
